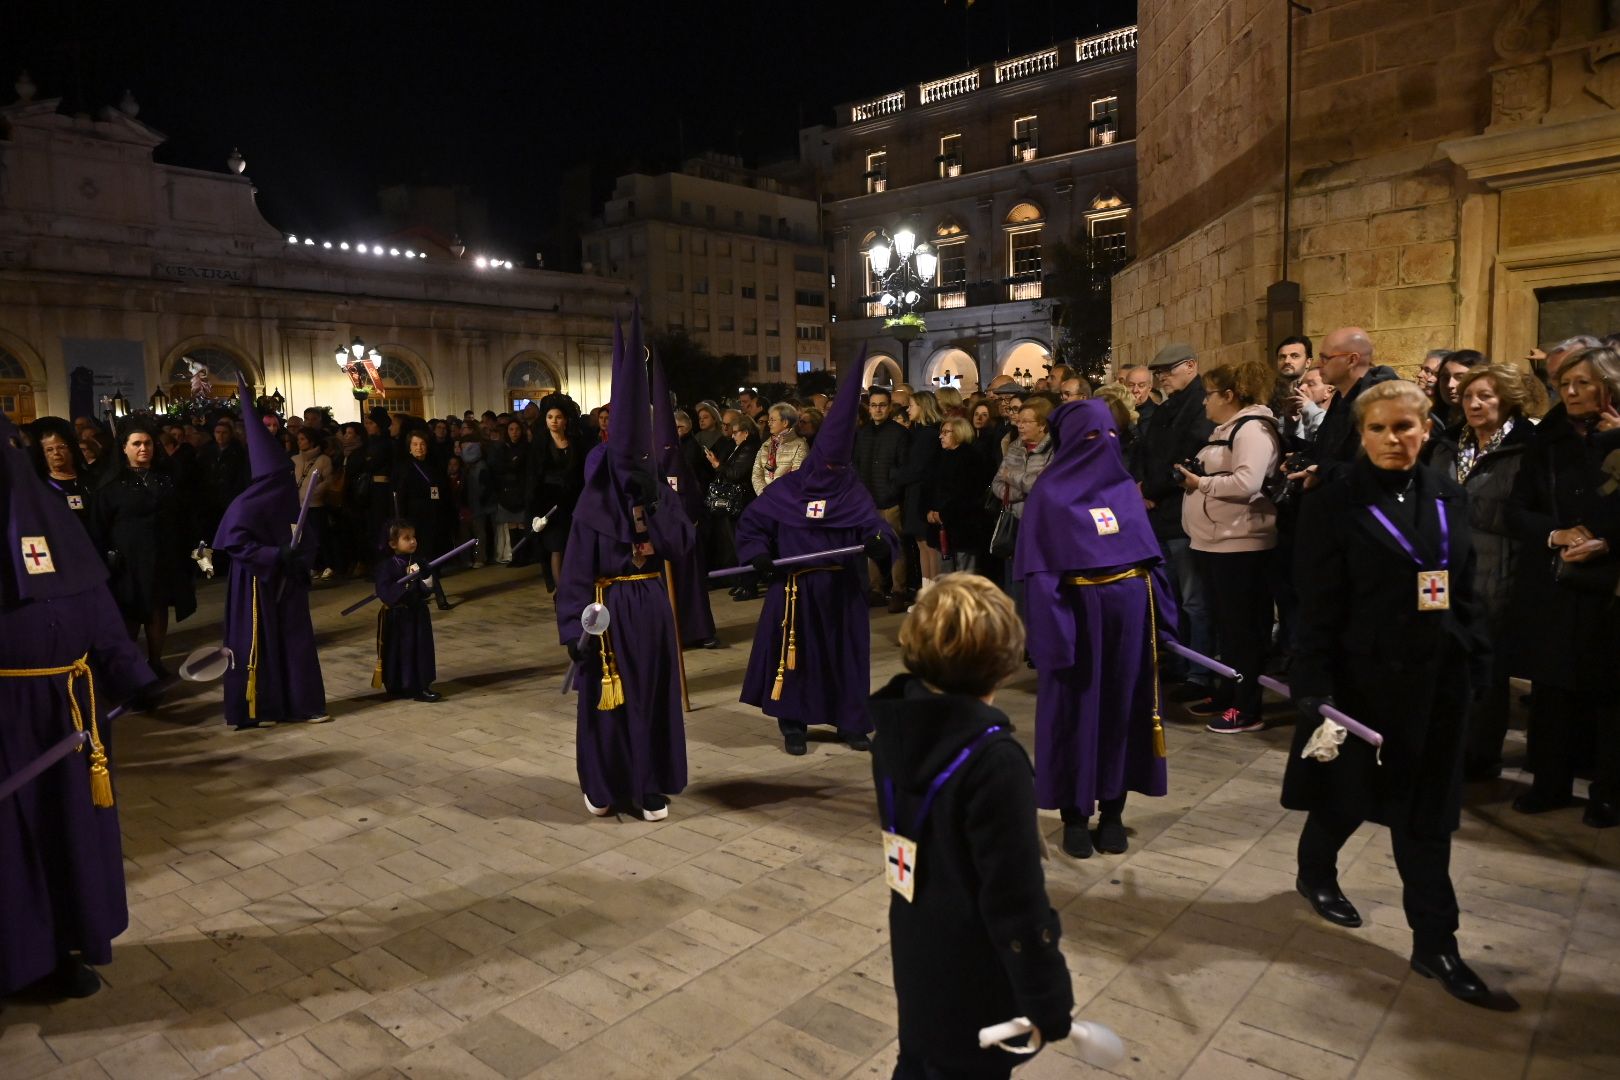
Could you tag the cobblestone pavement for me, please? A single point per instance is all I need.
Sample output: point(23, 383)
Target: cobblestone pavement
point(416, 890)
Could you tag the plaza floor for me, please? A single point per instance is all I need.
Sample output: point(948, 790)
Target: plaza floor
point(415, 890)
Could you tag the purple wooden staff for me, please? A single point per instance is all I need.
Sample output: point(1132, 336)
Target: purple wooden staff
point(13, 783)
point(792, 560)
point(1200, 659)
point(298, 528)
point(1328, 712)
point(446, 557)
point(543, 519)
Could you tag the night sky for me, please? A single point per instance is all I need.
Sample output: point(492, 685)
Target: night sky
point(330, 102)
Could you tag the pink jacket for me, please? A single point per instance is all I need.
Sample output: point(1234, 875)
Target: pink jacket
point(1228, 513)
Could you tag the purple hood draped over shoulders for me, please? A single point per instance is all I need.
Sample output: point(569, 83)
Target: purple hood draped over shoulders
point(1084, 512)
point(827, 476)
point(48, 555)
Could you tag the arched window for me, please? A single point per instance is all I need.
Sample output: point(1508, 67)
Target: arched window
point(16, 393)
point(950, 244)
point(1024, 225)
point(402, 385)
point(529, 380)
point(223, 369)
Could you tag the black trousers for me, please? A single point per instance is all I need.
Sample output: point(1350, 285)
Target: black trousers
point(912, 1067)
point(1240, 587)
point(1423, 862)
point(1558, 720)
point(1108, 808)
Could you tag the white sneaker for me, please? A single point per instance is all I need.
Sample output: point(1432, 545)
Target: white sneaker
point(654, 808)
point(596, 811)
point(323, 718)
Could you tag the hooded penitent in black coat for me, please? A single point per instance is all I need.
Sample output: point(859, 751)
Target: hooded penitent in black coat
point(978, 943)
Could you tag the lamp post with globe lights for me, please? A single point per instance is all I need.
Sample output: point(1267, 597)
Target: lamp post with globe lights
point(904, 273)
point(360, 364)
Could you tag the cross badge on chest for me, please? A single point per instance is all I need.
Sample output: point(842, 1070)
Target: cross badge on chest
point(674, 482)
point(816, 508)
point(900, 864)
point(1107, 524)
point(1434, 590)
point(36, 555)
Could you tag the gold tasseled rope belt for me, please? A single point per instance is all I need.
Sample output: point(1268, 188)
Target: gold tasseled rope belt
point(1153, 636)
point(612, 685)
point(101, 793)
point(789, 658)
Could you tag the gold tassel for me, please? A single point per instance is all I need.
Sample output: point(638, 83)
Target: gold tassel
point(253, 659)
point(100, 779)
point(1158, 738)
point(793, 623)
point(377, 672)
point(1153, 645)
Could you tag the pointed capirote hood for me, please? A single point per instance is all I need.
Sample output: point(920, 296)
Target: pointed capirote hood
point(670, 463)
point(604, 503)
point(630, 437)
point(266, 456)
point(48, 555)
point(825, 491)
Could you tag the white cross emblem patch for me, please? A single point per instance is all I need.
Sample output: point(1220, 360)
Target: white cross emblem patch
point(1107, 524)
point(36, 555)
point(900, 864)
point(816, 508)
point(674, 482)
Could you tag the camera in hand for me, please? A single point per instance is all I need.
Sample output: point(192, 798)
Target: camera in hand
point(1192, 465)
point(1296, 462)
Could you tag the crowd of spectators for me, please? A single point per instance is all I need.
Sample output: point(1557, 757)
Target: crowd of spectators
point(1224, 457)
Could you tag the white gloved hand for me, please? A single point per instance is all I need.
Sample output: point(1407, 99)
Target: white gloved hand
point(1324, 742)
point(537, 524)
point(427, 581)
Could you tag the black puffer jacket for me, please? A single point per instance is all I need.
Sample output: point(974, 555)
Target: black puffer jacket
point(880, 452)
point(978, 942)
point(1176, 431)
point(1338, 442)
point(1496, 547)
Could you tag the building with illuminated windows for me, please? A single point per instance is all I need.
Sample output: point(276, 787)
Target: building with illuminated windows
point(730, 255)
point(117, 266)
point(989, 167)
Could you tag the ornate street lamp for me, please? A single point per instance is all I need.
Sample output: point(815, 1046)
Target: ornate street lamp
point(360, 364)
point(159, 402)
point(904, 273)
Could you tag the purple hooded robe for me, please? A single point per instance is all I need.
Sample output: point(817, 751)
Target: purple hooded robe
point(61, 863)
point(277, 674)
point(820, 505)
point(1092, 645)
point(406, 663)
point(636, 748)
point(691, 572)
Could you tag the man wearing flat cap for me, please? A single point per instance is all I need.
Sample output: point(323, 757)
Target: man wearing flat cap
point(1173, 433)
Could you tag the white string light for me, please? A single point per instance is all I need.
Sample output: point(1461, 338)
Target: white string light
point(482, 262)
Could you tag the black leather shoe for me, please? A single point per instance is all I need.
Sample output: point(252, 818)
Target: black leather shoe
point(1457, 977)
point(73, 978)
point(1535, 802)
point(1077, 839)
point(1111, 836)
point(1600, 814)
point(795, 744)
point(1330, 903)
point(858, 742)
point(430, 695)
point(709, 643)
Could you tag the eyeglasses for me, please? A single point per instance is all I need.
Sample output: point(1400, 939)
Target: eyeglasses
point(1325, 357)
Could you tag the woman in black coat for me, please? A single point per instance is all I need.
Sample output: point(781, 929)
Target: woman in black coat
point(379, 468)
point(954, 491)
point(735, 470)
point(137, 520)
point(558, 464)
point(425, 500)
point(922, 452)
point(1388, 632)
point(512, 465)
point(1565, 510)
point(1483, 454)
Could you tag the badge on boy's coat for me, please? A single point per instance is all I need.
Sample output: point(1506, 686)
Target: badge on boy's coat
point(900, 864)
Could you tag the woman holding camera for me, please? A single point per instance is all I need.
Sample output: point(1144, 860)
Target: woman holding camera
point(1232, 527)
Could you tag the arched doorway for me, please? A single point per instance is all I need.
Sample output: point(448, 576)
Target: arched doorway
point(530, 378)
point(1026, 361)
point(882, 371)
point(16, 391)
point(952, 367)
point(402, 385)
point(224, 366)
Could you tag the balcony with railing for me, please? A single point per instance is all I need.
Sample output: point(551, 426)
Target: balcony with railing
point(1084, 50)
point(1020, 67)
point(887, 105)
point(1024, 288)
point(950, 86)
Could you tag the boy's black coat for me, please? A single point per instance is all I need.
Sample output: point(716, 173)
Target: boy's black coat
point(978, 944)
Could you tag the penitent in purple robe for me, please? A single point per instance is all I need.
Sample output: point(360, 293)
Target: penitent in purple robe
point(61, 863)
point(276, 675)
point(1091, 644)
point(637, 748)
point(405, 657)
point(819, 506)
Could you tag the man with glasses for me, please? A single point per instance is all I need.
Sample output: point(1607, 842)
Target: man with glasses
point(1075, 389)
point(1347, 365)
point(1175, 432)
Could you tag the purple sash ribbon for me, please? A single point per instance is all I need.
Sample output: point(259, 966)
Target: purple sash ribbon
point(1406, 545)
point(886, 805)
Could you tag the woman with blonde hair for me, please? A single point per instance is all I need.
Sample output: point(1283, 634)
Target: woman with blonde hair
point(950, 401)
point(922, 454)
